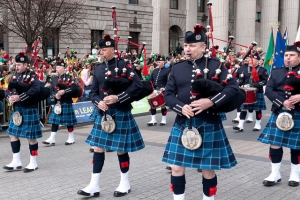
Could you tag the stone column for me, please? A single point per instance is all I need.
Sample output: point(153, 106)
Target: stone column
point(269, 15)
point(245, 22)
point(191, 14)
point(289, 18)
point(160, 31)
point(220, 20)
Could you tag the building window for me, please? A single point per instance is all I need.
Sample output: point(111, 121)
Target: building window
point(1, 38)
point(96, 35)
point(173, 38)
point(133, 2)
point(51, 43)
point(174, 4)
point(201, 5)
point(135, 39)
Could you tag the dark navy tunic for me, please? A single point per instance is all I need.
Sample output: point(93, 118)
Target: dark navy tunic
point(177, 93)
point(125, 97)
point(246, 70)
point(159, 77)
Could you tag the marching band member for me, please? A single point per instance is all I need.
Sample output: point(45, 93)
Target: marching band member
point(215, 151)
point(25, 120)
point(63, 97)
point(126, 136)
point(285, 101)
point(246, 79)
point(159, 78)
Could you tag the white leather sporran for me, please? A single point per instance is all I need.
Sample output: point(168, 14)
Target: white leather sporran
point(108, 124)
point(17, 118)
point(285, 121)
point(191, 139)
point(57, 108)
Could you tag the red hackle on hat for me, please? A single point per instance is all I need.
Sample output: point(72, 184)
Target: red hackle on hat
point(21, 54)
point(197, 29)
point(107, 38)
point(297, 44)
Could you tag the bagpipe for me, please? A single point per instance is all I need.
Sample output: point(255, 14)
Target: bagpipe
point(120, 82)
point(26, 84)
point(65, 83)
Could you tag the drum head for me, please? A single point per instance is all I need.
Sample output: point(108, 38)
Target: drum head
point(285, 121)
point(108, 125)
point(191, 139)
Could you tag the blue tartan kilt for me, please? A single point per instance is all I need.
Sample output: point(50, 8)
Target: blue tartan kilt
point(94, 114)
point(66, 117)
point(30, 127)
point(273, 135)
point(214, 153)
point(223, 116)
point(126, 137)
point(259, 105)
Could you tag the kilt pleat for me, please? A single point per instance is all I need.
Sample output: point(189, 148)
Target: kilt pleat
point(259, 105)
point(214, 153)
point(66, 118)
point(126, 137)
point(30, 127)
point(94, 114)
point(273, 135)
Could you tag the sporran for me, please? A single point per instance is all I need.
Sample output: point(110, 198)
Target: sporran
point(191, 139)
point(285, 121)
point(57, 108)
point(17, 118)
point(108, 124)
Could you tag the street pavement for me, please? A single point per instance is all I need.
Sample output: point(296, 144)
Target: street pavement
point(65, 169)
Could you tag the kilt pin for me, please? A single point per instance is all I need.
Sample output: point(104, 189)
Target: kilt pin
point(30, 127)
point(66, 118)
point(126, 137)
point(214, 153)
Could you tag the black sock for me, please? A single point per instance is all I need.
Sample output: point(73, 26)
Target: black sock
point(54, 128)
point(124, 162)
point(295, 156)
point(275, 155)
point(164, 111)
point(98, 162)
point(15, 146)
point(258, 114)
point(153, 111)
point(34, 149)
point(178, 184)
point(209, 186)
point(243, 115)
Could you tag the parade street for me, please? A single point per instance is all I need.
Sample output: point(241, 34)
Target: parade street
point(63, 170)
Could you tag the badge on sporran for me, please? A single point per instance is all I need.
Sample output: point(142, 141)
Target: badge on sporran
point(285, 121)
point(17, 118)
point(57, 108)
point(108, 124)
point(191, 139)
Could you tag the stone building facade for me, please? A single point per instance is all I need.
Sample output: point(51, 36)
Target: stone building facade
point(162, 23)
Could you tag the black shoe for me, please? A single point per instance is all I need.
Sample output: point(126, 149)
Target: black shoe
point(48, 143)
point(162, 124)
point(235, 121)
point(168, 167)
point(256, 129)
point(293, 183)
point(248, 121)
point(83, 193)
point(91, 150)
point(26, 170)
point(270, 183)
point(11, 168)
point(69, 143)
point(151, 124)
point(199, 170)
point(237, 128)
point(120, 194)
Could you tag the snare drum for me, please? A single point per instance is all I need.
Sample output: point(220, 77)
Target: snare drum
point(250, 95)
point(156, 99)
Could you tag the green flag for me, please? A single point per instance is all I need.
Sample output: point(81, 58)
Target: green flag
point(269, 55)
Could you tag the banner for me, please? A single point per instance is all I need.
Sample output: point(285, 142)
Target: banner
point(83, 110)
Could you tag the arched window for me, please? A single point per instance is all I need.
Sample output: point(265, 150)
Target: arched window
point(173, 38)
